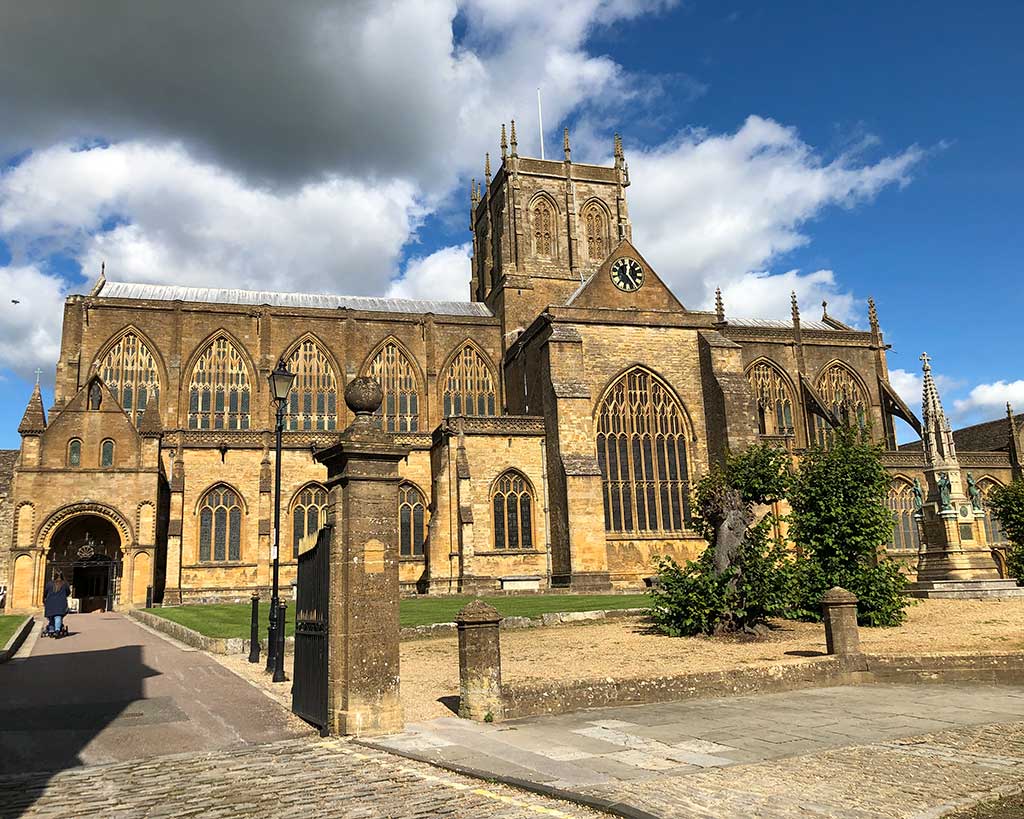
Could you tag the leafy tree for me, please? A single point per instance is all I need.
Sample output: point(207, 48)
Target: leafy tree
point(735, 584)
point(839, 521)
point(1007, 505)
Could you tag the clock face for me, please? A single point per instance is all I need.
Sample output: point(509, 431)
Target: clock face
point(627, 274)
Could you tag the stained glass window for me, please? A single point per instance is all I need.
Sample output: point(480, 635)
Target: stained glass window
point(309, 514)
point(774, 401)
point(220, 525)
point(219, 390)
point(400, 409)
point(468, 385)
point(130, 372)
point(513, 512)
point(906, 533)
point(641, 450)
point(412, 528)
point(313, 401)
point(844, 397)
point(107, 453)
point(74, 452)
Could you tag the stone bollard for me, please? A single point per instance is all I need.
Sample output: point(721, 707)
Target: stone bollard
point(479, 662)
point(839, 610)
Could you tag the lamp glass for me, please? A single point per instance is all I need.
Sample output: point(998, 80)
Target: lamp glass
point(281, 381)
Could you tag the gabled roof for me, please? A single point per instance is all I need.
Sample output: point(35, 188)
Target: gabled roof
point(598, 290)
point(324, 301)
point(988, 436)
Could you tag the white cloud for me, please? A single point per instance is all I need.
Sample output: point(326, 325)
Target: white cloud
point(988, 401)
point(764, 294)
point(180, 220)
point(443, 275)
point(908, 386)
point(30, 329)
point(708, 208)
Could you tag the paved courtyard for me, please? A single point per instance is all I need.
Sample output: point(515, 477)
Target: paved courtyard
point(864, 751)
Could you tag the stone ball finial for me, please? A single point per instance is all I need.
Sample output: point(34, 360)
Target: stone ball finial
point(363, 396)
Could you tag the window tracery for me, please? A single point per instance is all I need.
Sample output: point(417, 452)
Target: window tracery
point(399, 409)
point(219, 389)
point(844, 397)
point(595, 228)
point(309, 514)
point(412, 527)
point(313, 401)
point(468, 385)
point(512, 502)
point(129, 370)
point(641, 450)
point(220, 525)
point(906, 533)
point(543, 229)
point(774, 400)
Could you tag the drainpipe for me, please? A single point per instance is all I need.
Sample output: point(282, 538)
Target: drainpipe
point(547, 514)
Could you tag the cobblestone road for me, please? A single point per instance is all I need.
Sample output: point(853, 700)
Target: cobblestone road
point(294, 778)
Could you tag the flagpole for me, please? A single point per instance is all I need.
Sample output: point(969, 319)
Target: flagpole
point(540, 123)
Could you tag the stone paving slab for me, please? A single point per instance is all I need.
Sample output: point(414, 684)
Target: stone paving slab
point(867, 751)
point(309, 778)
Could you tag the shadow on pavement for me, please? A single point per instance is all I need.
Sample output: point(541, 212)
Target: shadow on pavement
point(53, 705)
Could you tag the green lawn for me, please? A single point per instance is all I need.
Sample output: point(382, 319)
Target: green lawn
point(8, 625)
point(232, 619)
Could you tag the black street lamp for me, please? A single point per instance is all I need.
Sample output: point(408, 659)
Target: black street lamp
point(281, 381)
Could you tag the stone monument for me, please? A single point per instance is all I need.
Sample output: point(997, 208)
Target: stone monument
point(362, 480)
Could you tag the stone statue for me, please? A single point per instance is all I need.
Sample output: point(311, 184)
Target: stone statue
point(945, 492)
point(974, 492)
point(918, 496)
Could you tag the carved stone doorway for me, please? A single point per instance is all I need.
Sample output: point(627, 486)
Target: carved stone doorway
point(87, 549)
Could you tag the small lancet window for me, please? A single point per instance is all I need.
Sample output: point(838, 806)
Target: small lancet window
point(107, 453)
point(74, 453)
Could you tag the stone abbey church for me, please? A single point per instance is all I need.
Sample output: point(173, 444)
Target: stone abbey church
point(556, 420)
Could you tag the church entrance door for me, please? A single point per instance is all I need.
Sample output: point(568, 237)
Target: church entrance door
point(87, 549)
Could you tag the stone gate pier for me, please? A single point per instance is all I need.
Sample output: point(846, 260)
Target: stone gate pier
point(363, 675)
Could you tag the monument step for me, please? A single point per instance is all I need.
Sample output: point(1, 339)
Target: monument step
point(973, 594)
point(963, 585)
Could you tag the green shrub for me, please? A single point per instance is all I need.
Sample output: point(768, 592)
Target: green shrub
point(1007, 505)
point(839, 521)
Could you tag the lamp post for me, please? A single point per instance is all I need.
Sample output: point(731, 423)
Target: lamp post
point(281, 381)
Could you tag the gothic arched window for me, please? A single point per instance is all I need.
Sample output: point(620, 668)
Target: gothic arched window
point(468, 385)
point(219, 390)
point(543, 229)
point(774, 400)
point(512, 502)
point(595, 228)
point(641, 450)
point(74, 452)
point(220, 525)
point(412, 521)
point(309, 514)
point(993, 531)
point(906, 534)
point(313, 401)
point(400, 409)
point(130, 372)
point(107, 453)
point(844, 397)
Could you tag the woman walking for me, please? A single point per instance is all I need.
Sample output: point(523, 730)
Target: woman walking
point(55, 604)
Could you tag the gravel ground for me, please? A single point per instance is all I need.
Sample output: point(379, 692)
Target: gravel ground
point(625, 648)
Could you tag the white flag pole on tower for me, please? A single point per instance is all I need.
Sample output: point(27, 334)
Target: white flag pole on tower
point(540, 123)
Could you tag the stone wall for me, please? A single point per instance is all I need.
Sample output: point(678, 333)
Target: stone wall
point(8, 458)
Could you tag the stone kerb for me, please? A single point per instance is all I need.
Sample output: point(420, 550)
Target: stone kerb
point(839, 611)
point(480, 695)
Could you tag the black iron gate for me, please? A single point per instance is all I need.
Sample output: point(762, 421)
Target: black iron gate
point(309, 683)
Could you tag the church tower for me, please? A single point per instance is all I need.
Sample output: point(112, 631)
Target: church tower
point(541, 227)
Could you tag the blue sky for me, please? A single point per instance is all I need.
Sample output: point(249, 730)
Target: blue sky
point(872, 150)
